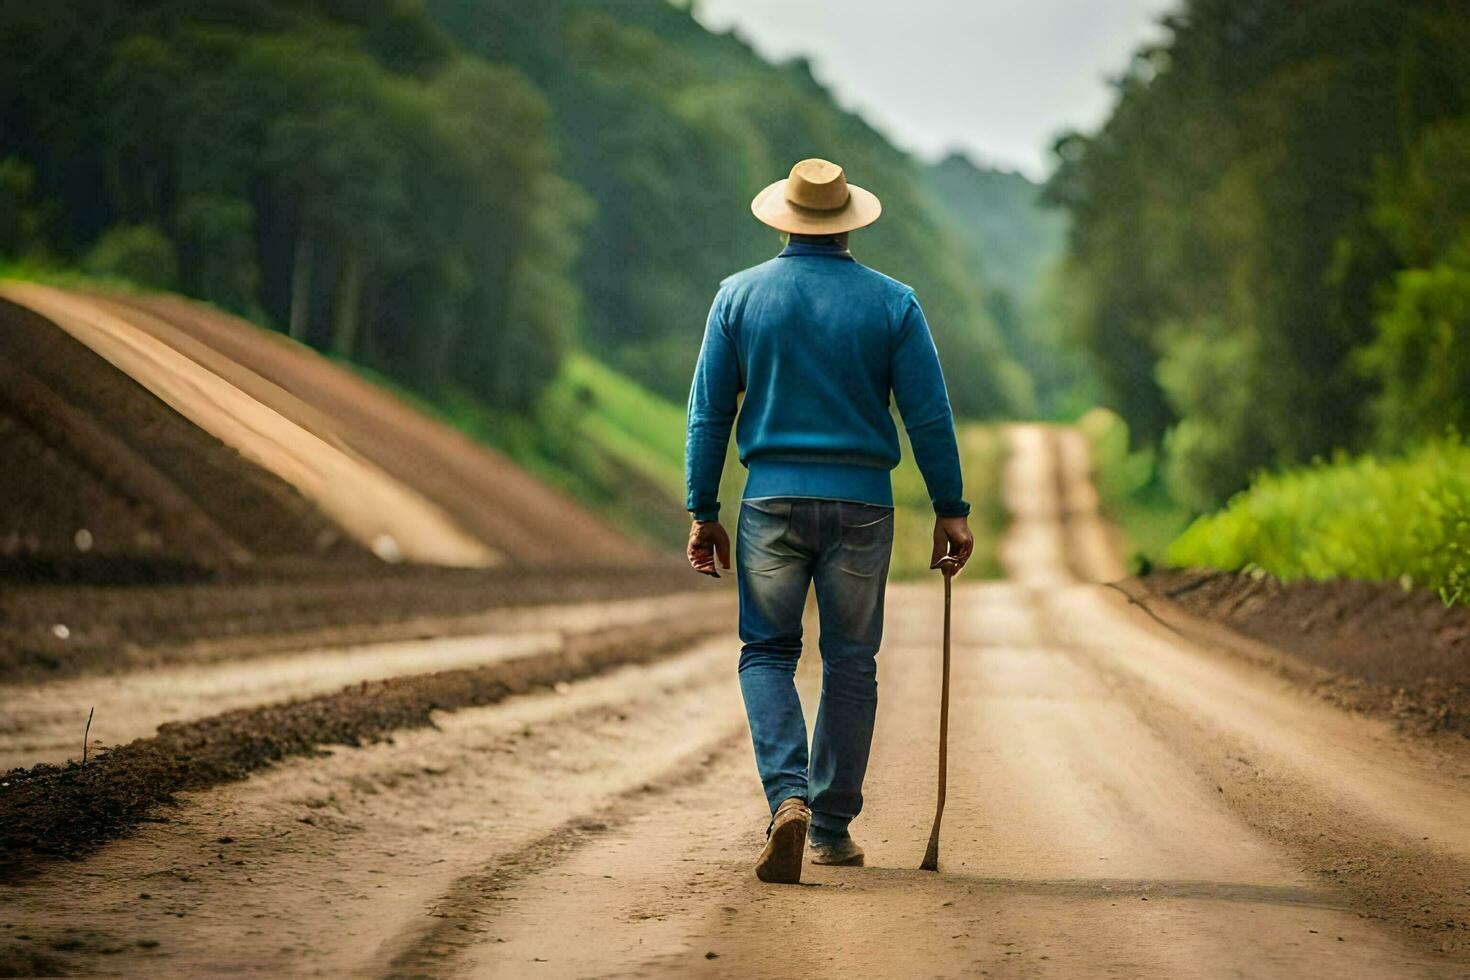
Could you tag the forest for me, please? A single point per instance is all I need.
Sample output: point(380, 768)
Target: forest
point(1269, 255)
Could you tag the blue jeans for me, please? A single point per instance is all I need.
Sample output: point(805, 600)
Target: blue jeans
point(783, 546)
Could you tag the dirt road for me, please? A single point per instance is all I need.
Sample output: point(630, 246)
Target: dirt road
point(1121, 803)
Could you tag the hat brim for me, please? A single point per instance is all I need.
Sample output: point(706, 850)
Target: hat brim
point(771, 207)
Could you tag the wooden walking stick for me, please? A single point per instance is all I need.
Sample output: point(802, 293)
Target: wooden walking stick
point(948, 566)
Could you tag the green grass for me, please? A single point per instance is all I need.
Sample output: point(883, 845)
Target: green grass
point(641, 429)
point(982, 454)
point(69, 278)
point(1131, 490)
point(593, 434)
point(1404, 519)
point(601, 438)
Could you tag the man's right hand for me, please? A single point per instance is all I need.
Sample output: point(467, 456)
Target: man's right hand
point(952, 538)
point(708, 541)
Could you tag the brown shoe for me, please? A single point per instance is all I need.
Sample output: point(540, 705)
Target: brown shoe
point(844, 853)
point(780, 861)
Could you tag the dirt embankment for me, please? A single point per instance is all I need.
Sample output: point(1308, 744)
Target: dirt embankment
point(1368, 646)
point(155, 440)
point(103, 482)
point(512, 511)
point(1372, 647)
point(166, 498)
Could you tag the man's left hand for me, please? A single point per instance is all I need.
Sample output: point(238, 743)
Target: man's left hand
point(953, 542)
point(708, 541)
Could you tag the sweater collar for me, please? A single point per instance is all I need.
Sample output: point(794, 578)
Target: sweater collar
point(816, 248)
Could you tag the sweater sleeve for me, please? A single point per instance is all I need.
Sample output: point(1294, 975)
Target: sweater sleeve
point(918, 388)
point(712, 405)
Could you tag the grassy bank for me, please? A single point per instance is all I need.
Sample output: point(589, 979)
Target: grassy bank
point(1404, 519)
point(982, 452)
point(600, 437)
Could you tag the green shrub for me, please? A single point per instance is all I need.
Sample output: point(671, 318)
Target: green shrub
point(140, 254)
point(1421, 356)
point(1404, 519)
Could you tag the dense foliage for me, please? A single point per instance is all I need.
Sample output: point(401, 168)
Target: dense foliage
point(453, 193)
point(338, 168)
point(1270, 249)
point(1405, 519)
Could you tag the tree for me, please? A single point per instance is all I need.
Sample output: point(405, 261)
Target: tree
point(217, 237)
point(19, 219)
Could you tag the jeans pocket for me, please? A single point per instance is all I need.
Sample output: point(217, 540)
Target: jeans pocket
point(858, 522)
point(860, 517)
point(763, 525)
point(867, 539)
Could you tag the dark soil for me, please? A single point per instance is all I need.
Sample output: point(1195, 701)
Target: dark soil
point(113, 628)
point(1370, 646)
point(49, 812)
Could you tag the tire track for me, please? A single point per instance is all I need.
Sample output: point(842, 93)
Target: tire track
point(48, 812)
point(456, 917)
point(40, 722)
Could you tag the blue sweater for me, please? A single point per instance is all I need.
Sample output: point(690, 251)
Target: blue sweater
point(817, 342)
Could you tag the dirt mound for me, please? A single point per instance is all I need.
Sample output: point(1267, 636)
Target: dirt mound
point(157, 440)
point(1371, 646)
point(104, 482)
point(516, 514)
point(383, 513)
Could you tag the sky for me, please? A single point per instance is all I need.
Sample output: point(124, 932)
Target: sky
point(996, 79)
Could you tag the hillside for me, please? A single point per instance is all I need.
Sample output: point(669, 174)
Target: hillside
point(1016, 242)
point(1000, 216)
point(671, 130)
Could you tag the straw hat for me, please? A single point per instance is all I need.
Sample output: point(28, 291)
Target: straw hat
point(816, 200)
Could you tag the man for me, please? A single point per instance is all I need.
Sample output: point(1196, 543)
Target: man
point(816, 342)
